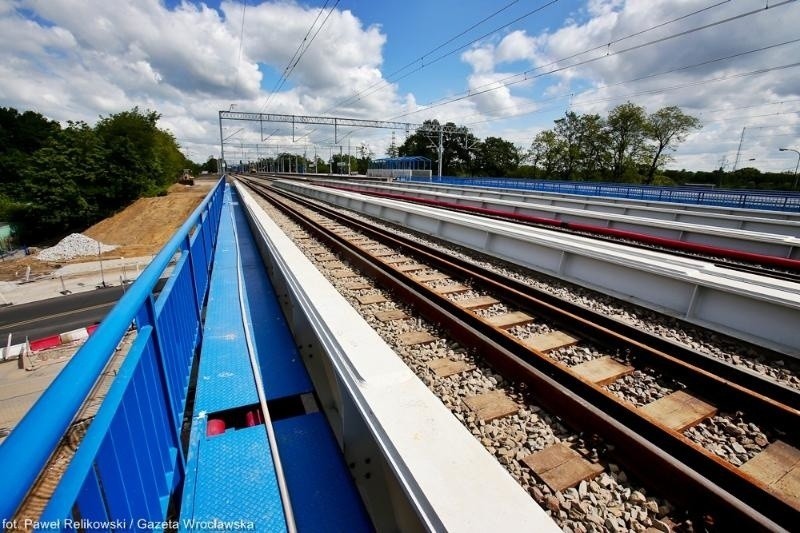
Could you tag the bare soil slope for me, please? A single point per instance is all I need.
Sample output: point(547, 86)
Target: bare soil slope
point(147, 224)
point(140, 229)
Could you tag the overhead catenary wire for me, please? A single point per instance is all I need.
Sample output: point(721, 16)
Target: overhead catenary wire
point(386, 81)
point(299, 52)
point(241, 45)
point(632, 80)
point(528, 74)
point(451, 52)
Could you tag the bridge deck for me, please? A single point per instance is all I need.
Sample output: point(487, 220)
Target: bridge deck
point(231, 470)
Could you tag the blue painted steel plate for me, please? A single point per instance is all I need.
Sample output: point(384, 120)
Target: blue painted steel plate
point(323, 495)
point(282, 369)
point(225, 376)
point(235, 484)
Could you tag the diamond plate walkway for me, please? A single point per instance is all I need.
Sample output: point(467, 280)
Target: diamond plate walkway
point(249, 469)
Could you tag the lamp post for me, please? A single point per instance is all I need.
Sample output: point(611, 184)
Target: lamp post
point(794, 187)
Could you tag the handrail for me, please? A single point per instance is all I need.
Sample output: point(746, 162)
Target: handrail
point(27, 449)
point(740, 198)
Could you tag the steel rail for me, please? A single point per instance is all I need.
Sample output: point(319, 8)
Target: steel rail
point(601, 328)
point(553, 223)
point(672, 456)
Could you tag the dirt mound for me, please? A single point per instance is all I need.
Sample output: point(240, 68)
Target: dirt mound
point(147, 224)
point(140, 229)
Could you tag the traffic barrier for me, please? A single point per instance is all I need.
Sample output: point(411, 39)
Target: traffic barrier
point(47, 342)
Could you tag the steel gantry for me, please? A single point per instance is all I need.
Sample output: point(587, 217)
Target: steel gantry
point(336, 122)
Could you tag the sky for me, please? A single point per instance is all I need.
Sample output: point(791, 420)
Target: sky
point(500, 67)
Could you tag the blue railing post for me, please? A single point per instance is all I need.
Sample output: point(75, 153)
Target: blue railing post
point(26, 451)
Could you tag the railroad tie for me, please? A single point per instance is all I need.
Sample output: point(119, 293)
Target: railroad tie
point(491, 405)
point(479, 302)
point(561, 467)
point(451, 289)
point(357, 286)
point(679, 410)
point(444, 367)
point(369, 299)
point(430, 277)
point(778, 467)
point(412, 338)
point(392, 314)
point(552, 340)
point(602, 371)
point(509, 320)
point(416, 267)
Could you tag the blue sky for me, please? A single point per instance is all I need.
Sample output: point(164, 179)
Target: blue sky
point(187, 60)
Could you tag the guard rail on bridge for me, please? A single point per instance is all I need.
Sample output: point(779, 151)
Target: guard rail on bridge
point(739, 198)
point(131, 460)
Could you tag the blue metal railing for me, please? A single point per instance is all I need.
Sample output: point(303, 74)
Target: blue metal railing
point(739, 198)
point(130, 460)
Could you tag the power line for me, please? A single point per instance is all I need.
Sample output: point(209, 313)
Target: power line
point(451, 52)
point(526, 75)
point(299, 52)
point(386, 81)
point(241, 43)
point(640, 78)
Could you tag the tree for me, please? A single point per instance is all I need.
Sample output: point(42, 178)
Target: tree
point(583, 144)
point(497, 157)
point(210, 165)
point(456, 158)
point(21, 134)
point(66, 179)
point(546, 151)
point(666, 128)
point(65, 186)
point(626, 134)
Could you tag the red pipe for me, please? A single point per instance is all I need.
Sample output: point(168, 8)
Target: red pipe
point(646, 238)
point(215, 426)
point(253, 418)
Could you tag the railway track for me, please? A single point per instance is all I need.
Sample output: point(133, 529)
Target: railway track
point(763, 265)
point(521, 332)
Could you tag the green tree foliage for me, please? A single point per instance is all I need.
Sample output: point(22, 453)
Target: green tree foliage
point(666, 128)
point(625, 128)
point(209, 166)
point(628, 145)
point(497, 157)
point(57, 180)
point(21, 134)
point(456, 161)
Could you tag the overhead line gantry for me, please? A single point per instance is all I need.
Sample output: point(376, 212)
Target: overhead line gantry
point(337, 122)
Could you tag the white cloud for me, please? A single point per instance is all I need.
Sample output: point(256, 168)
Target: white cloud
point(608, 74)
point(97, 57)
point(78, 60)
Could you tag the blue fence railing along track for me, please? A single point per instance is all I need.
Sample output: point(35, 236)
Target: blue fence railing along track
point(743, 199)
point(130, 461)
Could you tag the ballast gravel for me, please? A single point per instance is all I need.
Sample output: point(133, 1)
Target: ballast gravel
point(72, 246)
point(610, 502)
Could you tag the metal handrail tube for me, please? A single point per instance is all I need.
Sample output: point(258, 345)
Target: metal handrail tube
point(27, 449)
point(742, 198)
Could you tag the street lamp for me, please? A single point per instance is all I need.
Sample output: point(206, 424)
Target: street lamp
point(796, 166)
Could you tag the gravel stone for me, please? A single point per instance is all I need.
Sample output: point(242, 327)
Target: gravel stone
point(72, 246)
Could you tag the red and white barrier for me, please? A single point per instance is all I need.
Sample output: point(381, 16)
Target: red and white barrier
point(51, 341)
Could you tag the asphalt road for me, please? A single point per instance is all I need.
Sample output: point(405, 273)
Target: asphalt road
point(57, 315)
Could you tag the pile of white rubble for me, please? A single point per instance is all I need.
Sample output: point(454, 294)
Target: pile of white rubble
point(72, 246)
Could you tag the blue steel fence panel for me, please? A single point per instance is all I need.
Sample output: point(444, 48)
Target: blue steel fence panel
point(748, 199)
point(97, 436)
point(133, 476)
point(90, 502)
